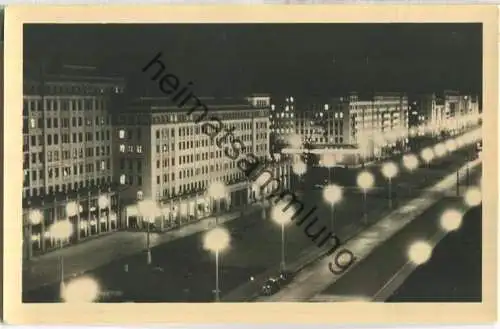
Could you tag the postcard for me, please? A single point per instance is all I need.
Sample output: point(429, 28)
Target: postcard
point(250, 164)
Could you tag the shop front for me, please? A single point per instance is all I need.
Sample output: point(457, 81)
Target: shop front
point(55, 224)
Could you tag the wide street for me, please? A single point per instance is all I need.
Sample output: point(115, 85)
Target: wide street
point(184, 271)
point(437, 280)
point(375, 277)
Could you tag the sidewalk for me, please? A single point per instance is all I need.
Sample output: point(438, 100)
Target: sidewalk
point(317, 277)
point(80, 258)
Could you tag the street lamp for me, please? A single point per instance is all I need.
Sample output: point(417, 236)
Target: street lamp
point(439, 150)
point(217, 191)
point(365, 181)
point(282, 214)
point(60, 231)
point(148, 210)
point(473, 197)
point(451, 145)
point(299, 168)
point(81, 290)
point(427, 155)
point(419, 252)
point(216, 241)
point(35, 217)
point(329, 161)
point(410, 162)
point(390, 170)
point(332, 194)
point(451, 220)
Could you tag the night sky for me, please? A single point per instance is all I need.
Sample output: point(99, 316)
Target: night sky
point(294, 59)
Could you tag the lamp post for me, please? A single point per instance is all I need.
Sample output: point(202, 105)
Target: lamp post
point(365, 181)
point(216, 241)
point(427, 155)
point(81, 290)
point(59, 231)
point(390, 170)
point(103, 203)
point(410, 161)
point(282, 214)
point(35, 217)
point(439, 150)
point(217, 191)
point(299, 168)
point(473, 197)
point(451, 220)
point(148, 210)
point(332, 194)
point(419, 252)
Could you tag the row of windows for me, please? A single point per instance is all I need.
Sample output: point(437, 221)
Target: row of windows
point(75, 122)
point(66, 187)
point(65, 139)
point(65, 171)
point(66, 154)
point(134, 119)
point(60, 104)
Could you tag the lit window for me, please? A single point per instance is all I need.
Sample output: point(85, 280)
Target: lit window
point(32, 123)
point(103, 165)
point(121, 133)
point(139, 148)
point(122, 148)
point(122, 179)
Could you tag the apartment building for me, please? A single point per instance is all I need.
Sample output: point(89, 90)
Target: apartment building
point(67, 169)
point(282, 122)
point(356, 127)
point(162, 154)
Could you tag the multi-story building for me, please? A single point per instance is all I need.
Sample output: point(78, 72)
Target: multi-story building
point(163, 154)
point(435, 114)
point(67, 153)
point(282, 120)
point(356, 127)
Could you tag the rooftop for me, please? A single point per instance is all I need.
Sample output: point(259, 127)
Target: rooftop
point(166, 103)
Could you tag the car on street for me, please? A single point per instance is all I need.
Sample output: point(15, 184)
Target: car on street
point(271, 286)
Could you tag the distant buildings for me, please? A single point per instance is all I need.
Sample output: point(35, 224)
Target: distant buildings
point(67, 149)
point(351, 126)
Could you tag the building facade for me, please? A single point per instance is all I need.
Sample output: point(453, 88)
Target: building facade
point(356, 127)
point(67, 150)
point(163, 154)
point(282, 119)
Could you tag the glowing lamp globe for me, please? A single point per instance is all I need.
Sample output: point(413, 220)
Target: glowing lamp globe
point(451, 145)
point(72, 209)
point(103, 202)
point(35, 217)
point(389, 170)
point(299, 168)
point(282, 213)
point(451, 220)
point(328, 160)
point(473, 197)
point(410, 161)
point(365, 180)
point(216, 240)
point(217, 190)
point(439, 150)
point(61, 230)
point(81, 290)
point(419, 252)
point(295, 141)
point(332, 193)
point(427, 154)
point(149, 208)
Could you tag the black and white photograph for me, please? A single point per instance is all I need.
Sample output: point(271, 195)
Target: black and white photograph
point(252, 162)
